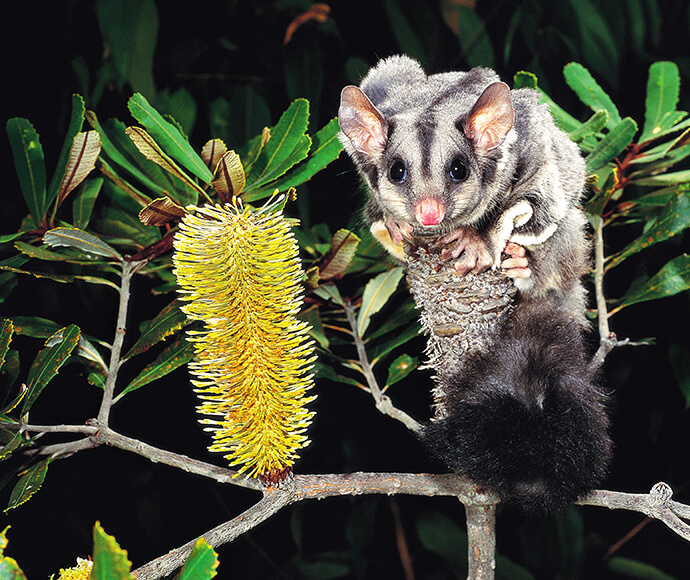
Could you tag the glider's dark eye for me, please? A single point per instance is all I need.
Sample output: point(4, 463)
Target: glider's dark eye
point(458, 169)
point(397, 172)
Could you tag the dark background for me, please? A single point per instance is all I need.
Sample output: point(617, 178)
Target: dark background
point(234, 49)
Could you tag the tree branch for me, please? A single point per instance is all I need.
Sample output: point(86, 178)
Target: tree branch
point(481, 537)
point(656, 504)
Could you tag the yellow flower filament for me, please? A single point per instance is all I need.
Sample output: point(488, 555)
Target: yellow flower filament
point(240, 273)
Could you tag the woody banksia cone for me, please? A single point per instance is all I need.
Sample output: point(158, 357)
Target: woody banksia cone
point(240, 274)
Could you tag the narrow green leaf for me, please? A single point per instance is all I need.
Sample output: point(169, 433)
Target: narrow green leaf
point(168, 137)
point(376, 294)
point(67, 255)
point(326, 147)
point(612, 145)
point(179, 353)
point(35, 326)
point(672, 279)
point(590, 93)
point(287, 136)
point(266, 186)
point(30, 165)
point(633, 569)
point(663, 91)
point(166, 322)
point(591, 127)
point(47, 364)
point(8, 449)
point(72, 237)
point(29, 483)
point(109, 560)
point(6, 332)
point(329, 293)
point(674, 219)
point(400, 368)
point(114, 143)
point(475, 43)
point(152, 151)
point(75, 126)
point(202, 563)
point(377, 352)
point(564, 120)
point(665, 179)
point(525, 80)
point(325, 371)
point(84, 201)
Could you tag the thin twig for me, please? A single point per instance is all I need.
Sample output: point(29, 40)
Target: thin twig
point(128, 270)
point(106, 436)
point(656, 504)
point(383, 402)
point(607, 339)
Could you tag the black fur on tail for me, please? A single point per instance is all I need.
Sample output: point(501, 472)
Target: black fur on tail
point(525, 419)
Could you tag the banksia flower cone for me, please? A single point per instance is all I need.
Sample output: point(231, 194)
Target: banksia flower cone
point(240, 275)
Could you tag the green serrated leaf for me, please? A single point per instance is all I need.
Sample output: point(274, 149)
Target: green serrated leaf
point(665, 179)
point(47, 364)
point(326, 147)
point(287, 136)
point(591, 127)
point(109, 560)
point(376, 294)
point(9, 448)
point(179, 353)
point(525, 80)
point(29, 483)
point(72, 237)
point(564, 120)
point(30, 165)
point(672, 279)
point(612, 145)
point(590, 93)
point(663, 91)
point(115, 147)
point(266, 186)
point(168, 137)
point(166, 322)
point(674, 219)
point(202, 563)
point(400, 368)
point(6, 332)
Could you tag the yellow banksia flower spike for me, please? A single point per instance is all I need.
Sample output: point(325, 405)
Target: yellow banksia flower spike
point(240, 274)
